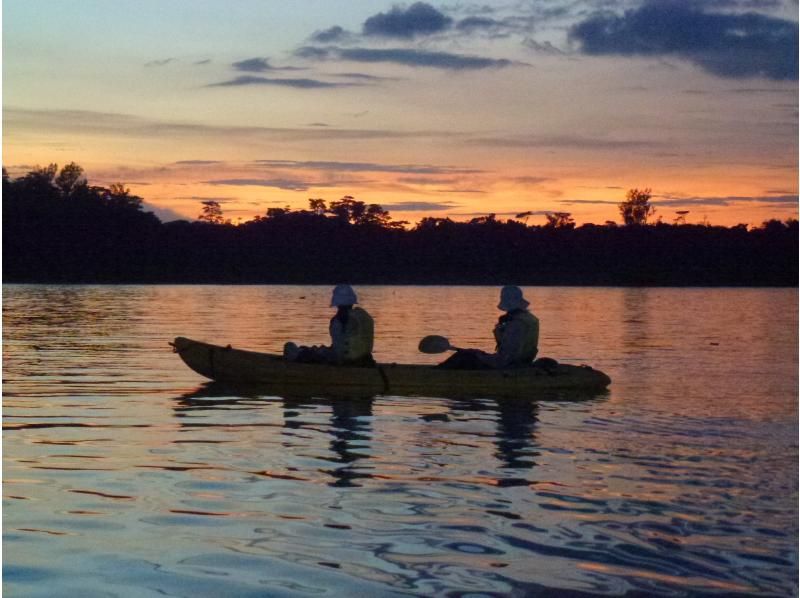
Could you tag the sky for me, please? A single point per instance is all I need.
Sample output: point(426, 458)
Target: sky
point(454, 109)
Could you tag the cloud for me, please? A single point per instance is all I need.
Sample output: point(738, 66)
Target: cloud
point(745, 4)
point(759, 90)
point(472, 23)
point(418, 19)
point(162, 213)
point(590, 201)
point(364, 77)
point(205, 198)
point(726, 45)
point(425, 181)
point(119, 125)
point(196, 162)
point(245, 80)
point(462, 191)
point(420, 206)
point(531, 180)
point(499, 28)
point(406, 57)
point(786, 200)
point(783, 200)
point(542, 47)
point(330, 35)
point(513, 214)
point(259, 65)
point(313, 53)
point(367, 167)
point(163, 62)
point(570, 141)
point(202, 62)
point(288, 184)
point(253, 65)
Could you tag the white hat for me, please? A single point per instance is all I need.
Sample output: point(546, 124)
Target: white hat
point(511, 298)
point(343, 294)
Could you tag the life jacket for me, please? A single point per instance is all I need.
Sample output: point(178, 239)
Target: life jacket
point(528, 345)
point(352, 336)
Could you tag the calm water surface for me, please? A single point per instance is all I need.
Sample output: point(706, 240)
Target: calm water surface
point(125, 474)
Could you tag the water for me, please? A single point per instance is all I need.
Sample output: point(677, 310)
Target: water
point(125, 474)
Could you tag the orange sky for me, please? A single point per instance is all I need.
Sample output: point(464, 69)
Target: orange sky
point(427, 109)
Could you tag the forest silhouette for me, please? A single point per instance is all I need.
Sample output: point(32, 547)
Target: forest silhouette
point(57, 228)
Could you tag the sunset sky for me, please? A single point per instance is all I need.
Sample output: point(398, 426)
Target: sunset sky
point(455, 109)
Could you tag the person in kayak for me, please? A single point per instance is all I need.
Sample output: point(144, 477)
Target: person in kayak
point(516, 334)
point(351, 330)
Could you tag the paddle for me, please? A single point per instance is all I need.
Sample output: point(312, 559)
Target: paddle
point(436, 344)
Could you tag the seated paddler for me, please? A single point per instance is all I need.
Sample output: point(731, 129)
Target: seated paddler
point(516, 335)
point(351, 330)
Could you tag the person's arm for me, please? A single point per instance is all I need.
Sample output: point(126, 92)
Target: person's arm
point(510, 343)
point(337, 335)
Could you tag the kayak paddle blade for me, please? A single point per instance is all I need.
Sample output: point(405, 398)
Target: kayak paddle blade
point(434, 344)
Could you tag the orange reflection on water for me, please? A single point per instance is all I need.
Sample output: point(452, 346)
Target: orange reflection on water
point(690, 581)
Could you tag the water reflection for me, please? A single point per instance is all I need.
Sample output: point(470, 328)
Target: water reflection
point(681, 481)
point(350, 430)
point(350, 426)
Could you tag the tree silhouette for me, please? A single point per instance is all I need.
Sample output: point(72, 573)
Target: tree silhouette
point(212, 212)
point(348, 209)
point(60, 229)
point(559, 220)
point(680, 219)
point(119, 196)
point(317, 206)
point(636, 208)
point(70, 179)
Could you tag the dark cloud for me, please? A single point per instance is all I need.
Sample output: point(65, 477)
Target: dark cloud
point(202, 62)
point(330, 35)
point(253, 65)
point(313, 53)
point(782, 200)
point(366, 167)
point(513, 214)
point(420, 206)
point(364, 77)
point(726, 45)
point(288, 184)
point(494, 28)
point(473, 23)
point(541, 47)
point(759, 90)
point(744, 4)
point(163, 62)
point(204, 198)
point(197, 162)
point(296, 83)
point(418, 19)
point(260, 65)
point(406, 57)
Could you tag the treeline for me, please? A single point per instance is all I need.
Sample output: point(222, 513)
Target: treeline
point(58, 228)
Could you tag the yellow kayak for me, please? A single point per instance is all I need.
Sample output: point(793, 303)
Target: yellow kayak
point(226, 364)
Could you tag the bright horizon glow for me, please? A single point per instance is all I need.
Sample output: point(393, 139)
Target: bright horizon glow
point(185, 102)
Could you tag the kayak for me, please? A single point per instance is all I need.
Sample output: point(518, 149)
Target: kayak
point(226, 364)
